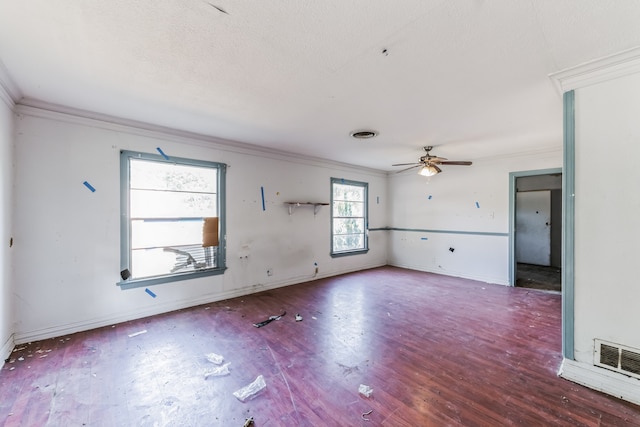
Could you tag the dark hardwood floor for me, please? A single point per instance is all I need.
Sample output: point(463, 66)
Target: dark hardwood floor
point(437, 351)
point(539, 277)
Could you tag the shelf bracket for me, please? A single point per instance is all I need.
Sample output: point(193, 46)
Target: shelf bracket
point(316, 206)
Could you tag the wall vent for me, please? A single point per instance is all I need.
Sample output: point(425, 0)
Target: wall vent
point(616, 357)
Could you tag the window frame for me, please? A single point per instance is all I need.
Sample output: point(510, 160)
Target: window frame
point(125, 219)
point(365, 186)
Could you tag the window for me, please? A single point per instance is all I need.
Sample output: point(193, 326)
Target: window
point(348, 217)
point(172, 219)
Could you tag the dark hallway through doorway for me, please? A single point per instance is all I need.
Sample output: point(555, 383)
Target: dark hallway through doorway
point(541, 277)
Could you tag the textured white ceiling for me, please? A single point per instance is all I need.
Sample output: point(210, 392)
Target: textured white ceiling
point(468, 76)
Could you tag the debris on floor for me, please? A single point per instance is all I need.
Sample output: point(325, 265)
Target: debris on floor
point(298, 318)
point(215, 358)
point(269, 320)
point(135, 334)
point(364, 414)
point(346, 370)
point(251, 390)
point(365, 390)
point(248, 422)
point(220, 371)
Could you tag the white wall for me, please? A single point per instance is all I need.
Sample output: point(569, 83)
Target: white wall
point(67, 256)
point(452, 207)
point(607, 206)
point(6, 196)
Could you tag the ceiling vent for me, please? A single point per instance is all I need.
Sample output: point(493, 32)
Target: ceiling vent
point(616, 357)
point(364, 134)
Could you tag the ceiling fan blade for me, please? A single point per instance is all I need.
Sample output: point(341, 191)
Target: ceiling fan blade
point(406, 164)
point(435, 159)
point(410, 167)
point(456, 163)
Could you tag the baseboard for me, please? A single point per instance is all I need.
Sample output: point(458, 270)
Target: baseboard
point(71, 328)
point(609, 382)
point(7, 348)
point(492, 280)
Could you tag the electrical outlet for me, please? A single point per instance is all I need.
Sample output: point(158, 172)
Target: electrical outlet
point(269, 271)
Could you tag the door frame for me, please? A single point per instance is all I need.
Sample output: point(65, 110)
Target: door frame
point(513, 176)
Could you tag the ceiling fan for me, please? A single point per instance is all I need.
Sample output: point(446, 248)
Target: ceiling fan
point(429, 164)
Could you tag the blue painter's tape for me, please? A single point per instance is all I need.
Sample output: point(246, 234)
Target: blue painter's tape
point(477, 205)
point(342, 180)
point(162, 153)
point(89, 186)
point(424, 238)
point(262, 192)
point(150, 292)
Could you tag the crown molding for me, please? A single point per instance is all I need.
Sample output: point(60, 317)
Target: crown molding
point(37, 108)
point(10, 93)
point(598, 71)
point(542, 151)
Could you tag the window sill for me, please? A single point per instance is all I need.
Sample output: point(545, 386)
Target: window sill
point(158, 280)
point(347, 253)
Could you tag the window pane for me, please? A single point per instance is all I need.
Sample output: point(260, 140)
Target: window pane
point(348, 192)
point(150, 175)
point(348, 214)
point(183, 259)
point(163, 204)
point(348, 242)
point(348, 225)
point(151, 262)
point(348, 209)
point(153, 234)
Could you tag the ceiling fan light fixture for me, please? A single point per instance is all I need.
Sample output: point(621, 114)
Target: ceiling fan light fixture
point(429, 170)
point(364, 134)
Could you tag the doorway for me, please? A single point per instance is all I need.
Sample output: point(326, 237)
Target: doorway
point(535, 229)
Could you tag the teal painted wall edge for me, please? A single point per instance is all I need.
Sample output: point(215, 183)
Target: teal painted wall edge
point(424, 230)
point(568, 225)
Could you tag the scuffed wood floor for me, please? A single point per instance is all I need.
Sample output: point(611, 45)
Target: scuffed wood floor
point(437, 351)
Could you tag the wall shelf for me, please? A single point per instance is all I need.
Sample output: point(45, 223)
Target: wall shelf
point(294, 205)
